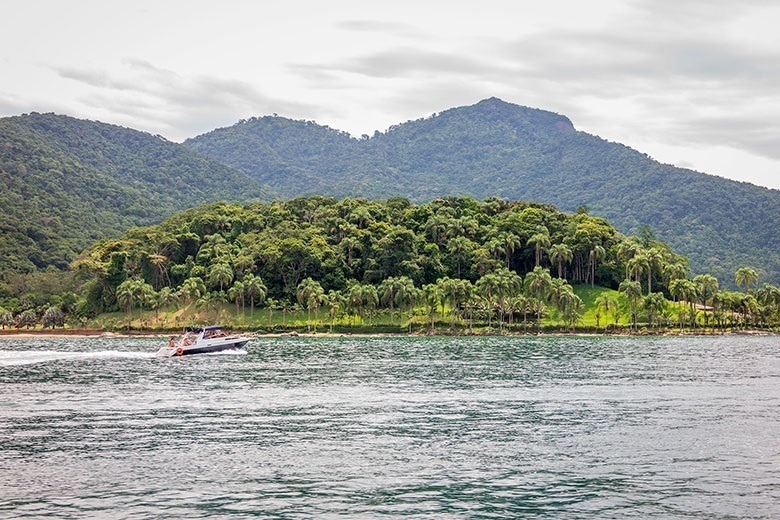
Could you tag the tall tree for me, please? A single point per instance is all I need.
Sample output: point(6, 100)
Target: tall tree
point(220, 274)
point(745, 276)
point(633, 292)
point(255, 290)
point(560, 253)
point(310, 295)
point(541, 242)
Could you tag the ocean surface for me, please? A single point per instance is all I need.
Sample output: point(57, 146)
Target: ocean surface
point(550, 427)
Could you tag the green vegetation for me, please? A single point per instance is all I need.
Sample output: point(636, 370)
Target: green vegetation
point(452, 265)
point(498, 149)
point(65, 183)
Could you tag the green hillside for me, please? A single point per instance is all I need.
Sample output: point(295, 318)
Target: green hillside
point(498, 149)
point(65, 183)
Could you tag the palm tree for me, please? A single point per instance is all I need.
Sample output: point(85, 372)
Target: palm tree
point(571, 306)
point(537, 283)
point(244, 261)
point(675, 271)
point(560, 253)
point(125, 295)
point(389, 289)
point(335, 301)
point(460, 249)
point(593, 257)
point(192, 288)
point(370, 298)
point(311, 295)
point(165, 297)
point(746, 276)
point(255, 291)
point(654, 304)
point(768, 298)
point(633, 292)
point(541, 242)
point(362, 298)
point(628, 249)
point(456, 292)
point(134, 291)
point(159, 263)
point(685, 290)
point(707, 287)
point(350, 244)
point(6, 318)
point(521, 303)
point(431, 296)
point(510, 242)
point(639, 265)
point(556, 294)
point(605, 303)
point(654, 259)
point(236, 293)
point(406, 294)
point(488, 288)
point(749, 307)
point(220, 273)
point(436, 228)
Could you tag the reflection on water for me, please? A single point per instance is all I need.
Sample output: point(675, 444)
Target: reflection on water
point(459, 427)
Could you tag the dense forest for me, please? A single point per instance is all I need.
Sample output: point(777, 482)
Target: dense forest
point(492, 262)
point(498, 149)
point(65, 183)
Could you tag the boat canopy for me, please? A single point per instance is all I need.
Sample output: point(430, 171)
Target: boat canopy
point(198, 330)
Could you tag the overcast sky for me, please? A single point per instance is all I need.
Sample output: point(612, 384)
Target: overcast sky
point(691, 83)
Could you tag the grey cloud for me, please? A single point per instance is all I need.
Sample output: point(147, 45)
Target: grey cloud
point(319, 77)
point(94, 78)
point(751, 133)
point(165, 102)
point(403, 62)
point(601, 58)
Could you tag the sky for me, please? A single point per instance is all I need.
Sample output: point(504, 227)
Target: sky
point(692, 83)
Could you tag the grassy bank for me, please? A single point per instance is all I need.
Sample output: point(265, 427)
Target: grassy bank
point(594, 319)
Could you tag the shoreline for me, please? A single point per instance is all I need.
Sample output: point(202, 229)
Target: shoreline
point(98, 333)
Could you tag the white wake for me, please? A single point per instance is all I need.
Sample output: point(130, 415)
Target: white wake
point(29, 357)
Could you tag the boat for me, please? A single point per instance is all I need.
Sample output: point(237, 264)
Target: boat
point(202, 340)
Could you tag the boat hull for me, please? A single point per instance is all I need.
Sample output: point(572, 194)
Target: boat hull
point(206, 348)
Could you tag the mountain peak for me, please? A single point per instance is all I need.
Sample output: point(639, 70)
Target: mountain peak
point(494, 107)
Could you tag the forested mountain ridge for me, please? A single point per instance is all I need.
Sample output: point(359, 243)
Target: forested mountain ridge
point(65, 183)
point(494, 148)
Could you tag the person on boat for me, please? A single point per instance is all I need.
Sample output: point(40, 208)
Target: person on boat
point(172, 342)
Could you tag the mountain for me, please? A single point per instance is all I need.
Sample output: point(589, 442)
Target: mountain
point(65, 183)
point(494, 148)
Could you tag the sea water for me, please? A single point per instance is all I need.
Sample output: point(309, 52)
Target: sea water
point(547, 427)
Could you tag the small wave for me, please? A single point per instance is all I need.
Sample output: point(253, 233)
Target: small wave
point(28, 357)
point(231, 352)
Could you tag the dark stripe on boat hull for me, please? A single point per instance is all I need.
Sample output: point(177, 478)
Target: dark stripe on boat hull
point(215, 348)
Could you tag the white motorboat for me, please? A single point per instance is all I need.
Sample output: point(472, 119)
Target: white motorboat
point(201, 340)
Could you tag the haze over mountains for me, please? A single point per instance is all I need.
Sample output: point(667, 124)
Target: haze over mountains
point(66, 182)
point(494, 148)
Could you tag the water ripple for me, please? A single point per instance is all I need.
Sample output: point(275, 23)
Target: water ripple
point(565, 427)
